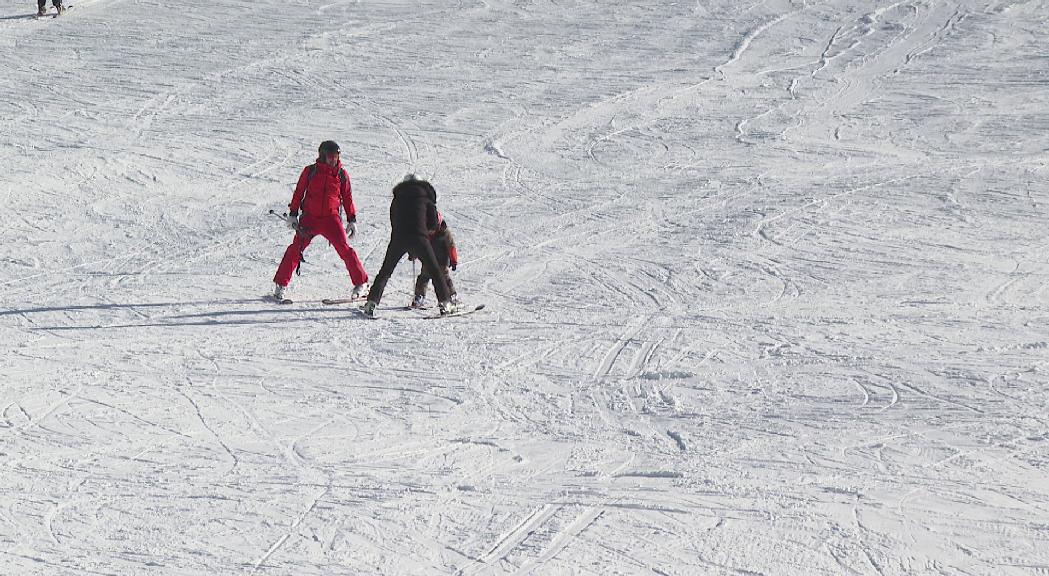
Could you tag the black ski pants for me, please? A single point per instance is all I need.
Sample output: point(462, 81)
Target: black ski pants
point(440, 250)
point(418, 246)
point(41, 4)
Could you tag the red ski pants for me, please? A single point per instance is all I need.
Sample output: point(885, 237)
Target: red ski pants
point(330, 227)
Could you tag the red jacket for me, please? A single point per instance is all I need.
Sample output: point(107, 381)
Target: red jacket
point(322, 189)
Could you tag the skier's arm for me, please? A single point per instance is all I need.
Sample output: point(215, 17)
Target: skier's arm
point(347, 198)
point(300, 191)
point(422, 218)
point(453, 253)
point(430, 220)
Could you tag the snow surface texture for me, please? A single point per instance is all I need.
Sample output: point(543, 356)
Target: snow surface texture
point(766, 281)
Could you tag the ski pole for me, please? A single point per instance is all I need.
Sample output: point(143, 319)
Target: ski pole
point(284, 218)
point(300, 235)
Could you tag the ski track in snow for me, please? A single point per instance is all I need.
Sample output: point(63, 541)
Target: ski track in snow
point(765, 282)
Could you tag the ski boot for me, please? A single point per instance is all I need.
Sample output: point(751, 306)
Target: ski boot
point(359, 290)
point(369, 309)
point(280, 292)
point(419, 301)
point(447, 307)
point(61, 9)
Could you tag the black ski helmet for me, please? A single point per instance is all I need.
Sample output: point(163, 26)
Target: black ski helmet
point(328, 147)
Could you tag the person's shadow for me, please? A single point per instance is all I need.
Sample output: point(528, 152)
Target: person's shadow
point(19, 17)
point(227, 316)
point(80, 308)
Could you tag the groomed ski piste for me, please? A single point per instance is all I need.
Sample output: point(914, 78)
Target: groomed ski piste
point(766, 289)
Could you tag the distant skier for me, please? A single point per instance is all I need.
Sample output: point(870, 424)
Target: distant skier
point(41, 7)
point(443, 244)
point(323, 188)
point(413, 216)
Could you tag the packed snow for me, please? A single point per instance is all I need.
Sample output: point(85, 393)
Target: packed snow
point(766, 289)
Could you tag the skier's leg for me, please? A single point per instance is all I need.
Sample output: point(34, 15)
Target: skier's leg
point(394, 252)
point(451, 287)
point(440, 251)
point(424, 251)
point(291, 259)
point(41, 6)
point(421, 283)
point(335, 233)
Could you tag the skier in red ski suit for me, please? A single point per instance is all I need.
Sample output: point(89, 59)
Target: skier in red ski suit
point(322, 189)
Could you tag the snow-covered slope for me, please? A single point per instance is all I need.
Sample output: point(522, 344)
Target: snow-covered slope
point(766, 281)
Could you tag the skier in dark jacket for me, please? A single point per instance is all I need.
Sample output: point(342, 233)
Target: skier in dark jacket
point(41, 7)
point(443, 244)
point(413, 216)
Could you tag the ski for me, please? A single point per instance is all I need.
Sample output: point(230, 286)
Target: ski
point(477, 308)
point(333, 301)
point(270, 298)
point(360, 312)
